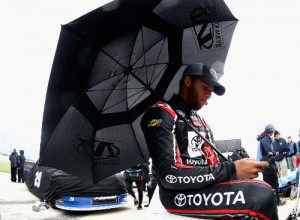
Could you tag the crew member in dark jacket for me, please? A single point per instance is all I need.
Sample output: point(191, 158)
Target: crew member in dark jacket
point(135, 174)
point(14, 164)
point(281, 150)
point(192, 180)
point(292, 153)
point(265, 149)
point(21, 167)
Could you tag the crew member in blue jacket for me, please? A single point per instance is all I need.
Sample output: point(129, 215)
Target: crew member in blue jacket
point(292, 153)
point(281, 149)
point(266, 153)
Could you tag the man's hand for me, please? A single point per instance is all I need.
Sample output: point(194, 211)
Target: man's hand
point(247, 168)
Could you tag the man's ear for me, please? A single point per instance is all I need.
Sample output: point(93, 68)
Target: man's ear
point(187, 81)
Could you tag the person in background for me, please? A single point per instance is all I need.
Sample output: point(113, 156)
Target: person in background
point(298, 151)
point(265, 152)
point(292, 153)
point(146, 170)
point(14, 164)
point(22, 160)
point(151, 186)
point(281, 152)
point(294, 188)
point(135, 175)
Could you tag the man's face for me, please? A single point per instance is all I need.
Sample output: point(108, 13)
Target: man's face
point(277, 136)
point(199, 93)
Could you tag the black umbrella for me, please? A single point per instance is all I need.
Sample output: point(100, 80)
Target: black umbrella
point(111, 65)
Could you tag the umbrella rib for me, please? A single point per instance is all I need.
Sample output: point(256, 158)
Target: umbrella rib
point(114, 89)
point(125, 68)
point(146, 51)
point(157, 60)
point(142, 93)
point(127, 72)
point(229, 25)
point(158, 74)
point(169, 63)
point(144, 56)
point(122, 100)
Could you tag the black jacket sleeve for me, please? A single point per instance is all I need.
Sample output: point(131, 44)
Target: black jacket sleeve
point(159, 129)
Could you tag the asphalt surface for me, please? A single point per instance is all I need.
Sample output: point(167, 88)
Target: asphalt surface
point(16, 204)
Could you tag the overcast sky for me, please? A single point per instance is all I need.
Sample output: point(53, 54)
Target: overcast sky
point(261, 72)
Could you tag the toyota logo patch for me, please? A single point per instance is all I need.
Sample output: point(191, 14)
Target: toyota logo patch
point(180, 200)
point(171, 179)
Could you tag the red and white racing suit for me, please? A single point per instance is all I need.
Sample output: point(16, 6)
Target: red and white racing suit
point(192, 180)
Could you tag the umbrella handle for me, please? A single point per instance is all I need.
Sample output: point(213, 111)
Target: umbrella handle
point(181, 116)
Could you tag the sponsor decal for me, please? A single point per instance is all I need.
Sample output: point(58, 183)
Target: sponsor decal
point(83, 146)
point(195, 121)
point(105, 198)
point(210, 199)
point(195, 143)
point(196, 162)
point(155, 122)
point(38, 179)
point(209, 35)
point(106, 153)
point(60, 201)
point(180, 200)
point(210, 155)
point(189, 179)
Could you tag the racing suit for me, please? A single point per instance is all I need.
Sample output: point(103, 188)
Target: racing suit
point(192, 180)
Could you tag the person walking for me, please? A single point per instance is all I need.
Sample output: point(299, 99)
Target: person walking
point(192, 179)
point(281, 152)
point(14, 164)
point(291, 158)
point(146, 169)
point(265, 152)
point(135, 175)
point(21, 168)
point(151, 186)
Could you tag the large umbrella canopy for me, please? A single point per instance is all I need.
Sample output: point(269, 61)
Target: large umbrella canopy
point(111, 65)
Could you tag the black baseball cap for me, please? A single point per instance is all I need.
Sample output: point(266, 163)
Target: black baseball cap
point(206, 74)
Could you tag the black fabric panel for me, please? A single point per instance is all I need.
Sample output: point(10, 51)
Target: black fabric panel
point(87, 108)
point(120, 16)
point(67, 81)
point(52, 183)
